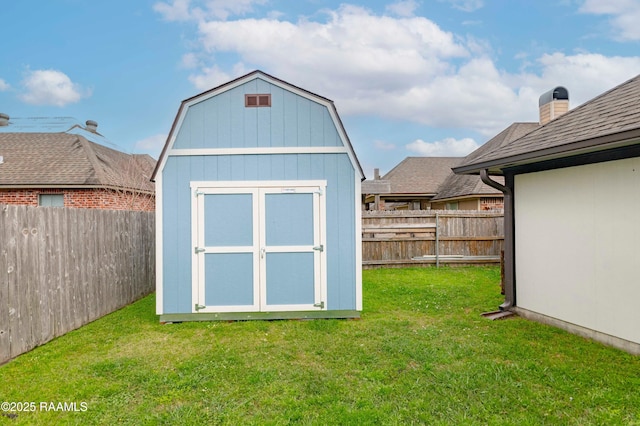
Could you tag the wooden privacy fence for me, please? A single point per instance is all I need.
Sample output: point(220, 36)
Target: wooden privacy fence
point(431, 237)
point(62, 268)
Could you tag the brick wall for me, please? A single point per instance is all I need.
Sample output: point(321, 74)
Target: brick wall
point(95, 198)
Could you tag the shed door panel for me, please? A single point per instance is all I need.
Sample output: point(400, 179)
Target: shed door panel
point(290, 279)
point(258, 249)
point(227, 251)
point(291, 243)
point(228, 220)
point(229, 279)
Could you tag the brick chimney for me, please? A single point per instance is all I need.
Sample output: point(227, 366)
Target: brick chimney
point(553, 104)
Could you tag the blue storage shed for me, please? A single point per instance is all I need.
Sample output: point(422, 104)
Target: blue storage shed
point(258, 207)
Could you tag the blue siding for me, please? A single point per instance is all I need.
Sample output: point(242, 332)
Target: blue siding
point(177, 248)
point(224, 122)
point(340, 203)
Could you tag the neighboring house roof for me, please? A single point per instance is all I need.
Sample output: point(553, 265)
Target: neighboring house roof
point(508, 135)
point(272, 80)
point(458, 186)
point(413, 176)
point(69, 160)
point(608, 121)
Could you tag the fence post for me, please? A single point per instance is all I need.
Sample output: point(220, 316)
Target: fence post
point(437, 242)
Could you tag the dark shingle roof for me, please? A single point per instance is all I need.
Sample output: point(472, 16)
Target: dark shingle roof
point(608, 119)
point(456, 186)
point(415, 175)
point(68, 160)
point(511, 133)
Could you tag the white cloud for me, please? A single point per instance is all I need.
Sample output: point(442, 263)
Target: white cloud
point(466, 5)
point(353, 54)
point(585, 75)
point(625, 15)
point(222, 9)
point(178, 10)
point(185, 10)
point(4, 85)
point(383, 146)
point(403, 8)
point(210, 77)
point(189, 60)
point(51, 87)
point(448, 147)
point(151, 145)
point(400, 68)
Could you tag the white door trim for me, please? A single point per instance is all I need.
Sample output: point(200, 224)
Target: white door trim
point(258, 189)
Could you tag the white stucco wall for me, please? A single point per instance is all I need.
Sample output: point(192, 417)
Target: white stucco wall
point(578, 245)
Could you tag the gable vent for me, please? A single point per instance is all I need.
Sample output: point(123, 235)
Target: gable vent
point(257, 100)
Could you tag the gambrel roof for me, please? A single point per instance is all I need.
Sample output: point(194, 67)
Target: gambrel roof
point(269, 79)
point(611, 120)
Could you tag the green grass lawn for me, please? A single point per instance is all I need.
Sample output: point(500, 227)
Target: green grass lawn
point(421, 354)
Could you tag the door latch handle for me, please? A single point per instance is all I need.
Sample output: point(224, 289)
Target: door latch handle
point(262, 252)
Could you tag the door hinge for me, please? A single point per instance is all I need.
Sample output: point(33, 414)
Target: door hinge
point(198, 307)
point(319, 248)
point(319, 305)
point(197, 250)
point(196, 193)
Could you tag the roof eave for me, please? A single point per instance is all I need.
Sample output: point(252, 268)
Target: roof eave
point(584, 146)
point(76, 186)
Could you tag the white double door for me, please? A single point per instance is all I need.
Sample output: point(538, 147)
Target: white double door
point(258, 246)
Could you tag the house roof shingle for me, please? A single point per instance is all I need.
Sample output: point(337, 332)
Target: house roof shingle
point(415, 175)
point(69, 160)
point(609, 120)
point(456, 186)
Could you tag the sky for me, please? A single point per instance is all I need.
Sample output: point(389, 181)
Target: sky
point(408, 77)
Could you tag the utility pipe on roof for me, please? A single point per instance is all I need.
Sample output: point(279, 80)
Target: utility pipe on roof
point(509, 240)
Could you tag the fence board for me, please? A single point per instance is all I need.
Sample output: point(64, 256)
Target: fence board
point(5, 351)
point(62, 268)
point(408, 238)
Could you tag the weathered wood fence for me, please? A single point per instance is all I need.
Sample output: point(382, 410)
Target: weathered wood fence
point(431, 237)
point(62, 268)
